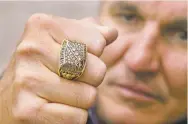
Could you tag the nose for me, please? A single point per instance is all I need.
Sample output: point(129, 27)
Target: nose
point(142, 55)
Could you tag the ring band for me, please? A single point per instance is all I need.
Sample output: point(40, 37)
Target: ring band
point(72, 59)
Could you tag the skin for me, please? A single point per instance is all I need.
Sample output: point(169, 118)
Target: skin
point(150, 51)
point(31, 92)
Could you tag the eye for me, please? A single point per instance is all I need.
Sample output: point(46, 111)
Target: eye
point(182, 35)
point(130, 18)
point(178, 35)
point(128, 21)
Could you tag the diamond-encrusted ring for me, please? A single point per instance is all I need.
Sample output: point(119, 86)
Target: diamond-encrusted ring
point(72, 59)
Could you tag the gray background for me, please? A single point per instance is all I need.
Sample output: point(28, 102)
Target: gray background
point(15, 14)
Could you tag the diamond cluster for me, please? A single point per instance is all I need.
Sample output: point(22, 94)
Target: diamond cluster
point(72, 59)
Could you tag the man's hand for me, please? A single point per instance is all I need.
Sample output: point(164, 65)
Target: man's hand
point(33, 93)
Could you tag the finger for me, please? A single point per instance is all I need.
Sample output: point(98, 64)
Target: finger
point(94, 71)
point(47, 85)
point(95, 38)
point(54, 113)
point(48, 54)
point(37, 111)
point(92, 20)
point(41, 25)
point(59, 90)
point(47, 51)
point(25, 105)
point(110, 34)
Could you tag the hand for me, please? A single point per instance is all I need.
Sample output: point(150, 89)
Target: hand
point(33, 93)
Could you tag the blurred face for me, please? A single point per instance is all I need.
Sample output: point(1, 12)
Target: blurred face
point(146, 81)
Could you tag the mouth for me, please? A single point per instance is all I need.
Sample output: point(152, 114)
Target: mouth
point(138, 93)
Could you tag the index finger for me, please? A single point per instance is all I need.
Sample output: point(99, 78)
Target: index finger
point(96, 37)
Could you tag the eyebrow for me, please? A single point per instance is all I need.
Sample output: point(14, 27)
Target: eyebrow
point(124, 5)
point(177, 24)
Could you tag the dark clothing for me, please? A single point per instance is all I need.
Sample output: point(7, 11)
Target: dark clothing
point(92, 119)
point(184, 121)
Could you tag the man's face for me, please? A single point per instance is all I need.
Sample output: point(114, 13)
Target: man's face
point(146, 81)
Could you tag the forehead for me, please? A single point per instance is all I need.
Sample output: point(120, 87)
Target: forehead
point(159, 9)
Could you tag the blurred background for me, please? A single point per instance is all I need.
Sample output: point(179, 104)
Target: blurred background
point(14, 15)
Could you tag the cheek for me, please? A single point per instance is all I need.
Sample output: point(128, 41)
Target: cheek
point(175, 69)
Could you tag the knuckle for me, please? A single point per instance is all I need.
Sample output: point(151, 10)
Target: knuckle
point(91, 97)
point(100, 73)
point(27, 49)
point(23, 113)
point(24, 79)
point(39, 20)
point(99, 45)
point(19, 115)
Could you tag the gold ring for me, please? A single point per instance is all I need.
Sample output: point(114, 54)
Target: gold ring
point(72, 59)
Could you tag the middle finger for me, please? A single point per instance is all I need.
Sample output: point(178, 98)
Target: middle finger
point(94, 71)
